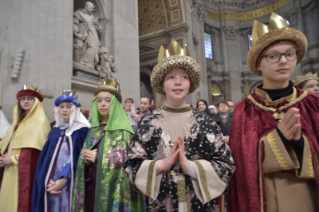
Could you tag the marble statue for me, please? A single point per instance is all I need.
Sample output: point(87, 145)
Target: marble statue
point(86, 41)
point(107, 66)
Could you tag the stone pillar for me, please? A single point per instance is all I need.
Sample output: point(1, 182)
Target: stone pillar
point(226, 89)
point(126, 47)
point(233, 61)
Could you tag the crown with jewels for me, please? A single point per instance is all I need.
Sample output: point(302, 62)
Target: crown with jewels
point(30, 87)
point(173, 49)
point(68, 93)
point(260, 29)
point(308, 76)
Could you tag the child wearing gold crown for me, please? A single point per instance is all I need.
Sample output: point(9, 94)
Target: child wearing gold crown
point(20, 149)
point(55, 174)
point(178, 158)
point(274, 135)
point(101, 184)
point(309, 82)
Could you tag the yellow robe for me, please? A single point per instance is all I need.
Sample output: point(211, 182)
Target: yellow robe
point(31, 133)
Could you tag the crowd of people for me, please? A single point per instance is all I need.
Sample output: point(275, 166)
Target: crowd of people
point(258, 155)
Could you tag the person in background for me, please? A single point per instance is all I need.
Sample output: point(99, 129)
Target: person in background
point(55, 174)
point(212, 109)
point(143, 110)
point(128, 103)
point(231, 106)
point(309, 82)
point(20, 149)
point(274, 134)
point(223, 119)
point(203, 107)
point(4, 125)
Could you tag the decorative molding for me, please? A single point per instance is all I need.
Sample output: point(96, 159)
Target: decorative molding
point(247, 15)
point(230, 32)
point(200, 9)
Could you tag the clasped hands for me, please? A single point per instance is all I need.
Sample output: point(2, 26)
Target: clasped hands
point(290, 125)
point(57, 186)
point(89, 155)
point(177, 153)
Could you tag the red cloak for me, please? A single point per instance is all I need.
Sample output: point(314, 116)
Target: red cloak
point(251, 121)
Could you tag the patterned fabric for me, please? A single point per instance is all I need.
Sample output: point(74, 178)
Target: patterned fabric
point(203, 140)
point(113, 191)
point(176, 61)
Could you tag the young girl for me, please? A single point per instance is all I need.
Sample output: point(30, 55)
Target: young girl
point(101, 184)
point(55, 174)
point(274, 135)
point(20, 149)
point(178, 158)
point(309, 82)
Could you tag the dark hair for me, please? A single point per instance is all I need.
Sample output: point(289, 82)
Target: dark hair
point(130, 99)
point(222, 102)
point(150, 101)
point(207, 111)
point(302, 84)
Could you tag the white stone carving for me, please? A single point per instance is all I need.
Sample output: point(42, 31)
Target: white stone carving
point(86, 41)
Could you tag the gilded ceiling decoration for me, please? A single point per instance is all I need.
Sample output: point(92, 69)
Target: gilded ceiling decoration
point(274, 5)
point(157, 15)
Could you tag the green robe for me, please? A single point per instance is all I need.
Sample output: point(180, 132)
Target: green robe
point(113, 191)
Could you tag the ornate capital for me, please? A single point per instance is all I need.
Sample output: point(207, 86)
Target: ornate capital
point(230, 32)
point(200, 8)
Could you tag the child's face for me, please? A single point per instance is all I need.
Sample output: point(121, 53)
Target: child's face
point(65, 111)
point(103, 102)
point(176, 85)
point(278, 72)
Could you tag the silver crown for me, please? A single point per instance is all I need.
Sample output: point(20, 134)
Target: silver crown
point(68, 93)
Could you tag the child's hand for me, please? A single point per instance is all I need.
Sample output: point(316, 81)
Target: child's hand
point(57, 186)
point(89, 155)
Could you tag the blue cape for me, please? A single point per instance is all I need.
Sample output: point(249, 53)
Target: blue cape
point(43, 166)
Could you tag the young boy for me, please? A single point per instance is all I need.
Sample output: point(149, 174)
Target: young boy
point(178, 158)
point(274, 134)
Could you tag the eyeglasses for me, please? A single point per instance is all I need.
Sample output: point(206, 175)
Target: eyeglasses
point(276, 56)
point(28, 99)
point(231, 106)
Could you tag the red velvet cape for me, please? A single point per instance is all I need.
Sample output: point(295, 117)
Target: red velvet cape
point(250, 123)
point(27, 164)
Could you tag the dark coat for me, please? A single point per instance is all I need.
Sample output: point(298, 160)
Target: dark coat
point(225, 129)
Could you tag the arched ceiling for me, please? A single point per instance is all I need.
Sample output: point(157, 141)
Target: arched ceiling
point(157, 15)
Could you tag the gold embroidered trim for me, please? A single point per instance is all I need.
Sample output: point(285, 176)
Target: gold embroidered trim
point(311, 173)
point(278, 115)
point(202, 176)
point(149, 178)
point(263, 94)
point(181, 190)
point(260, 177)
point(177, 110)
point(276, 150)
point(303, 95)
point(260, 105)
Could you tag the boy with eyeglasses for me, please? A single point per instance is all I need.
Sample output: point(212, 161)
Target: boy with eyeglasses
point(274, 135)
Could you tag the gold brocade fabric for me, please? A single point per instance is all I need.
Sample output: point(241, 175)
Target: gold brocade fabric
point(32, 131)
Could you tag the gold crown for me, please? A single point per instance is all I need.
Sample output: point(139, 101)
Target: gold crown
point(30, 87)
point(308, 76)
point(108, 82)
point(173, 49)
point(260, 29)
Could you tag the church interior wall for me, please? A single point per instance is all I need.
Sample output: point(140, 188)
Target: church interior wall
point(44, 31)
